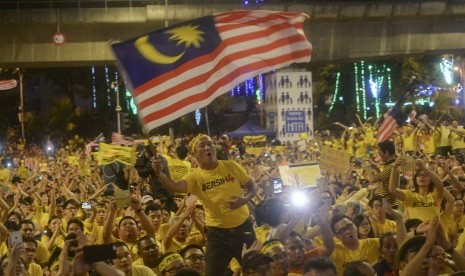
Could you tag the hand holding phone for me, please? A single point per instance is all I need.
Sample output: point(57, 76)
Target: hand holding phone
point(408, 166)
point(14, 238)
point(122, 198)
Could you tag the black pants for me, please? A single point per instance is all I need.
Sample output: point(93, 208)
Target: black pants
point(225, 244)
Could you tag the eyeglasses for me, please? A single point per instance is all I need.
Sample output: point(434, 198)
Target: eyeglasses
point(30, 250)
point(377, 206)
point(175, 269)
point(345, 229)
point(195, 258)
point(422, 175)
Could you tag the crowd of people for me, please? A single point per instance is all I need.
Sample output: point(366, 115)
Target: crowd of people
point(205, 206)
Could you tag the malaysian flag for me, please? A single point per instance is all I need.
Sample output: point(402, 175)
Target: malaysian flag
point(8, 84)
point(184, 67)
point(119, 139)
point(385, 130)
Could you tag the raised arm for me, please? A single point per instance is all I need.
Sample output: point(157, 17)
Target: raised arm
point(394, 177)
point(144, 219)
point(168, 238)
point(108, 226)
point(180, 186)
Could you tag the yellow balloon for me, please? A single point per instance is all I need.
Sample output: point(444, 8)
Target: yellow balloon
point(303, 136)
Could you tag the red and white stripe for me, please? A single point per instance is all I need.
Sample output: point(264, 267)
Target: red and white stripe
point(119, 139)
point(253, 42)
point(386, 128)
point(8, 84)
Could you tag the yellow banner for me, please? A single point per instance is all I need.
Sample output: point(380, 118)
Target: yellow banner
point(333, 160)
point(300, 175)
point(108, 154)
point(254, 139)
point(259, 150)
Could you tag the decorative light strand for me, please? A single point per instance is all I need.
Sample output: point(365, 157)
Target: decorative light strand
point(389, 84)
point(107, 81)
point(447, 69)
point(117, 82)
point(94, 90)
point(364, 97)
point(356, 87)
point(198, 116)
point(336, 90)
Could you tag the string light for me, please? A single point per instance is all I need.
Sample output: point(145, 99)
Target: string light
point(447, 69)
point(130, 102)
point(198, 116)
point(389, 84)
point(356, 87)
point(336, 90)
point(117, 82)
point(362, 65)
point(107, 81)
point(94, 90)
point(260, 85)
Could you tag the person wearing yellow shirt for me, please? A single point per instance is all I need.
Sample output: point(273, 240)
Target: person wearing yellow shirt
point(148, 251)
point(424, 202)
point(29, 254)
point(26, 227)
point(360, 146)
point(177, 235)
point(177, 165)
point(409, 141)
point(443, 145)
point(351, 247)
point(379, 223)
point(224, 189)
point(457, 137)
point(124, 262)
point(95, 223)
point(128, 230)
point(54, 234)
point(4, 175)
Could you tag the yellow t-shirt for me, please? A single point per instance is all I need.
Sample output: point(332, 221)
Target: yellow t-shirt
point(176, 245)
point(368, 251)
point(177, 168)
point(457, 141)
point(263, 232)
point(215, 187)
point(140, 270)
point(5, 176)
point(387, 226)
point(409, 142)
point(35, 270)
point(360, 149)
point(59, 241)
point(430, 146)
point(422, 207)
point(42, 253)
point(140, 261)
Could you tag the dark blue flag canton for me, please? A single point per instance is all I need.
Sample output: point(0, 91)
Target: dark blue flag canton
point(151, 55)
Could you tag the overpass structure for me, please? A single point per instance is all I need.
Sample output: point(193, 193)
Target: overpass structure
point(338, 30)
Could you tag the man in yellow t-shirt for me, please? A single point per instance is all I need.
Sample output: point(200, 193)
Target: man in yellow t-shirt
point(123, 262)
point(177, 166)
point(29, 254)
point(219, 185)
point(4, 175)
point(409, 141)
point(148, 251)
point(457, 137)
point(378, 220)
point(351, 247)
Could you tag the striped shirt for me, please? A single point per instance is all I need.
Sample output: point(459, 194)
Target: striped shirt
point(382, 187)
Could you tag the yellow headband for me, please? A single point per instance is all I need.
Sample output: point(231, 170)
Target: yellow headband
point(194, 142)
point(169, 260)
point(267, 247)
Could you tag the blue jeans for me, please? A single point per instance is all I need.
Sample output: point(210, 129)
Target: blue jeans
point(225, 244)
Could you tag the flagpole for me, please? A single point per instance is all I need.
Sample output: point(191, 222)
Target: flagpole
point(21, 106)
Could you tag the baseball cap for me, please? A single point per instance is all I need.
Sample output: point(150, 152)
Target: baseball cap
point(145, 199)
point(253, 258)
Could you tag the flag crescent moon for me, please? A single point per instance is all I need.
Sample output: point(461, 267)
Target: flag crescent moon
point(147, 50)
